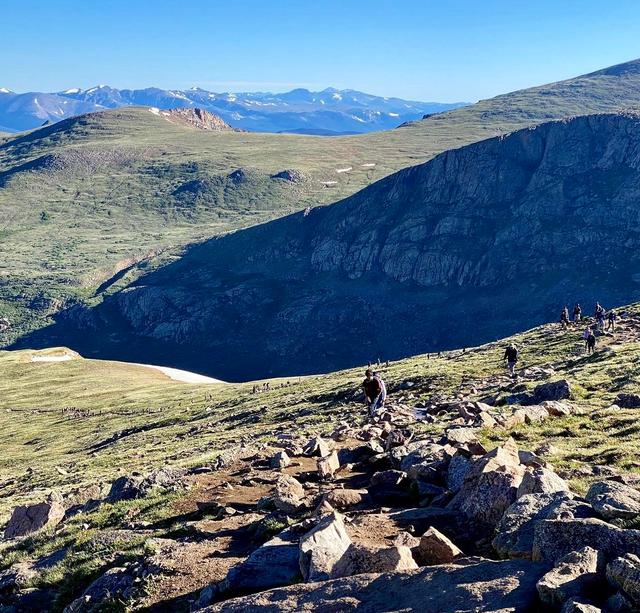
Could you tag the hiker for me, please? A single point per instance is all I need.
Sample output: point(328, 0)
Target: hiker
point(511, 356)
point(599, 315)
point(611, 320)
point(591, 342)
point(375, 392)
point(564, 317)
point(577, 312)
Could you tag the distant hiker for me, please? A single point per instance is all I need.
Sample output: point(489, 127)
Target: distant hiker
point(611, 320)
point(591, 342)
point(375, 392)
point(511, 356)
point(577, 312)
point(599, 315)
point(564, 317)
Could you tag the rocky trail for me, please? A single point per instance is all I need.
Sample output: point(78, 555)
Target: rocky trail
point(411, 510)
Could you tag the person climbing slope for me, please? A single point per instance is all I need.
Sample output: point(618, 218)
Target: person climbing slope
point(599, 315)
point(591, 342)
point(577, 312)
point(564, 317)
point(375, 392)
point(612, 316)
point(511, 356)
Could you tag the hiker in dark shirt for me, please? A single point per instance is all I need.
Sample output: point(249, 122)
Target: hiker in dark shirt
point(564, 317)
point(611, 320)
point(511, 356)
point(591, 342)
point(577, 312)
point(599, 315)
point(375, 392)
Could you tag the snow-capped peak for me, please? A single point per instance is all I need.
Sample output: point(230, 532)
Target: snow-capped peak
point(72, 90)
point(4, 90)
point(96, 88)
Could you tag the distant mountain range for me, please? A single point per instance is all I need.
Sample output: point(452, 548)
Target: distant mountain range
point(328, 112)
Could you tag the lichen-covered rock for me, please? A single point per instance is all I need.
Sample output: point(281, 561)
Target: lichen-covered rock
point(316, 446)
point(541, 481)
point(515, 532)
point(483, 586)
point(328, 465)
point(457, 471)
point(624, 574)
point(323, 547)
point(613, 500)
point(344, 498)
point(490, 485)
point(570, 578)
point(555, 538)
point(289, 494)
point(361, 558)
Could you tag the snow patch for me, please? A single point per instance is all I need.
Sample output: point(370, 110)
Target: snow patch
point(393, 114)
point(4, 90)
point(73, 90)
point(183, 376)
point(336, 96)
point(329, 183)
point(370, 165)
point(346, 169)
point(154, 110)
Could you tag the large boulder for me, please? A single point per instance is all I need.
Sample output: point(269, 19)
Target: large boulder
point(317, 447)
point(323, 547)
point(436, 548)
point(289, 494)
point(328, 465)
point(490, 485)
point(555, 538)
point(457, 471)
point(274, 564)
point(571, 577)
point(426, 453)
point(280, 460)
point(628, 401)
point(515, 532)
point(27, 519)
point(344, 498)
point(127, 487)
point(359, 559)
point(554, 390)
point(613, 500)
point(541, 481)
point(482, 587)
point(624, 574)
point(530, 415)
point(114, 588)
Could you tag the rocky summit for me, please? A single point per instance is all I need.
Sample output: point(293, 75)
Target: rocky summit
point(444, 254)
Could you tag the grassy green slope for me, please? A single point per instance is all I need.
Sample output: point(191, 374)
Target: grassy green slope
point(135, 418)
point(85, 198)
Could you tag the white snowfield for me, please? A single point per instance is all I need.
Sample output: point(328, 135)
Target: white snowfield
point(176, 374)
point(181, 375)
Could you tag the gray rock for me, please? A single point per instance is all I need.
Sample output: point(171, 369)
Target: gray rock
point(289, 494)
point(515, 532)
point(128, 487)
point(572, 575)
point(457, 470)
point(27, 519)
point(316, 446)
point(436, 548)
point(490, 485)
point(426, 453)
point(360, 558)
point(613, 500)
point(323, 547)
point(274, 564)
point(541, 481)
point(485, 586)
point(575, 606)
point(328, 465)
point(280, 460)
point(554, 390)
point(556, 408)
point(530, 415)
point(344, 498)
point(554, 539)
point(624, 574)
point(116, 585)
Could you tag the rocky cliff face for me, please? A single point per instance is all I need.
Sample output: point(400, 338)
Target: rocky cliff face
point(479, 242)
point(198, 118)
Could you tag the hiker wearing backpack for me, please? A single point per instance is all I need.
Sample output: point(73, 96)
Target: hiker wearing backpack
point(511, 357)
point(375, 392)
point(611, 321)
point(564, 317)
point(599, 315)
point(577, 313)
point(590, 342)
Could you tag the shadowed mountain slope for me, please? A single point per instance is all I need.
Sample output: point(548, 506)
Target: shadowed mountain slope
point(467, 247)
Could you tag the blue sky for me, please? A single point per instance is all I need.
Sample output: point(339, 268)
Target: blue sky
point(446, 50)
